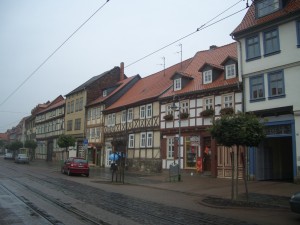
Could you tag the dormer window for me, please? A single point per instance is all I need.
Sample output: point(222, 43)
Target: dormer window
point(104, 93)
point(266, 7)
point(207, 77)
point(230, 71)
point(177, 84)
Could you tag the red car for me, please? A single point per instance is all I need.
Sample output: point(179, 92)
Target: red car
point(76, 165)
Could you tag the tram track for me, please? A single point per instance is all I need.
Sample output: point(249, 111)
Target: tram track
point(135, 209)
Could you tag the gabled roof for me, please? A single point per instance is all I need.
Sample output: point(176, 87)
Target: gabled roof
point(90, 81)
point(121, 84)
point(149, 87)
point(250, 21)
point(213, 57)
point(218, 67)
point(59, 101)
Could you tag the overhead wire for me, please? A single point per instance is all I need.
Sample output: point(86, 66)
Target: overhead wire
point(46, 60)
point(202, 27)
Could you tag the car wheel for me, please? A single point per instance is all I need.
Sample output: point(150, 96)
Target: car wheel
point(69, 172)
point(87, 175)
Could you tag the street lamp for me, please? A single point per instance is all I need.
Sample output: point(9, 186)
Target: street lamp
point(174, 107)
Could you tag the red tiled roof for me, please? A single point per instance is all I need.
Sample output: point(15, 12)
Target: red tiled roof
point(149, 87)
point(59, 101)
point(121, 84)
point(4, 136)
point(250, 21)
point(212, 57)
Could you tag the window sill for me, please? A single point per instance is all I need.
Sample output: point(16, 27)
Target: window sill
point(272, 53)
point(252, 59)
point(257, 100)
point(277, 96)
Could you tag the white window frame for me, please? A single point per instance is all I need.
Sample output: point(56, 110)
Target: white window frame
point(230, 71)
point(131, 141)
point(208, 103)
point(184, 107)
point(149, 111)
point(142, 111)
point(170, 147)
point(143, 139)
point(169, 110)
point(111, 119)
point(228, 101)
point(149, 139)
point(123, 116)
point(104, 93)
point(130, 115)
point(177, 84)
point(207, 77)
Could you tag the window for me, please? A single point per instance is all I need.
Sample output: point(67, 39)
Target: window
point(143, 140)
point(257, 91)
point(123, 117)
point(184, 107)
point(69, 125)
point(230, 71)
point(68, 107)
point(130, 115)
point(77, 124)
point(228, 101)
point(131, 141)
point(98, 113)
point(207, 76)
point(177, 84)
point(149, 139)
point(111, 119)
point(142, 112)
point(72, 106)
point(76, 105)
point(298, 33)
point(81, 104)
point(208, 103)
point(97, 132)
point(276, 84)
point(104, 93)
point(170, 148)
point(149, 110)
point(265, 7)
point(271, 41)
point(169, 109)
point(94, 111)
point(89, 114)
point(252, 47)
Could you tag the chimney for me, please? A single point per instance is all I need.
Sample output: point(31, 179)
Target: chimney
point(212, 47)
point(121, 71)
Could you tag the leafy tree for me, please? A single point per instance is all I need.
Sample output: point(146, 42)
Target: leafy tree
point(65, 141)
point(238, 130)
point(15, 146)
point(32, 146)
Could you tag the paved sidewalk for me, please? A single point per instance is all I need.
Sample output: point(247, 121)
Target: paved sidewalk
point(215, 191)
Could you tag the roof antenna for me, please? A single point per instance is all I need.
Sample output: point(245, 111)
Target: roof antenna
point(180, 45)
point(164, 64)
point(247, 4)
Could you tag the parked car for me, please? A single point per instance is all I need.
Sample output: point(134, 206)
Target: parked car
point(8, 155)
point(75, 165)
point(22, 158)
point(295, 202)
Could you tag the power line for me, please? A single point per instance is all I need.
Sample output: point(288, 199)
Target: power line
point(202, 27)
point(59, 47)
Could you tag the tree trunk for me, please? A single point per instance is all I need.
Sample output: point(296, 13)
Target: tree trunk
point(232, 175)
point(237, 171)
point(244, 174)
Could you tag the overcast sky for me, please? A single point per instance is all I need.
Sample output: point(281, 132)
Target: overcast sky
point(121, 31)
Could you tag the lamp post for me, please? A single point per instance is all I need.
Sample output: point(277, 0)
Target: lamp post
point(174, 107)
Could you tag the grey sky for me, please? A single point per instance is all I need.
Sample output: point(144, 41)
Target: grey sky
point(122, 31)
